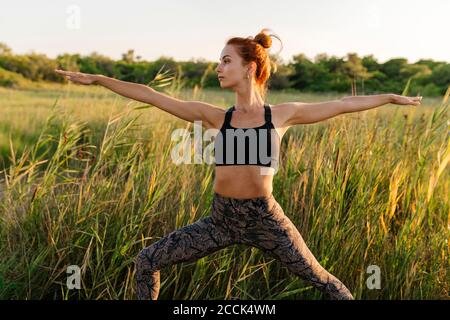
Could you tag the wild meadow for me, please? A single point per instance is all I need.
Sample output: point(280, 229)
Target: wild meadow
point(87, 179)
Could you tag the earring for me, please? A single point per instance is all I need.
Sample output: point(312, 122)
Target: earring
point(248, 76)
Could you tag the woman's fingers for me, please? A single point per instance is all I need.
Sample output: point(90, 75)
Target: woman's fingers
point(77, 77)
point(67, 73)
point(417, 100)
point(70, 75)
point(62, 71)
point(414, 100)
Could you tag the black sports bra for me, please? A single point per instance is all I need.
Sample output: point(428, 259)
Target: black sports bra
point(247, 146)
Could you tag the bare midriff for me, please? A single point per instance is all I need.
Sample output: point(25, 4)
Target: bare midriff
point(242, 182)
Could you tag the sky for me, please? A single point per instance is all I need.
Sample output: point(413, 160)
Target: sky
point(198, 29)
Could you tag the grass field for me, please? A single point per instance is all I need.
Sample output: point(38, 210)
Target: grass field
point(87, 180)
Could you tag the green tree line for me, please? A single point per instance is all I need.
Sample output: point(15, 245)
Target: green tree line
point(358, 75)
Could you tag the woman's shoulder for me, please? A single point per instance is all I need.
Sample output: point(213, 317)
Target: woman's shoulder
point(281, 113)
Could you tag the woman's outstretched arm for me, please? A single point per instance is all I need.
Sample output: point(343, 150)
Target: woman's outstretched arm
point(187, 110)
point(304, 113)
point(361, 103)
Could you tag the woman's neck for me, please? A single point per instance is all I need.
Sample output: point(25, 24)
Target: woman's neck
point(249, 103)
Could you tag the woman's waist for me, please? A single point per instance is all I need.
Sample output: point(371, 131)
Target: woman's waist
point(252, 175)
point(243, 187)
point(251, 172)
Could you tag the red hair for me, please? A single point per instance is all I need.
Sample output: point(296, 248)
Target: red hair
point(253, 49)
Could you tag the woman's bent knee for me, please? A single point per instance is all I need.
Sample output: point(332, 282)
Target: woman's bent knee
point(144, 262)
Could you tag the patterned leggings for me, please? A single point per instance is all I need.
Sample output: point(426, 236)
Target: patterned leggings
point(259, 222)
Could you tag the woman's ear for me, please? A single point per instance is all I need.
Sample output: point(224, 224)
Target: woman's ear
point(252, 68)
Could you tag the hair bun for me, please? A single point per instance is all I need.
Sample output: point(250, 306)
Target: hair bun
point(263, 39)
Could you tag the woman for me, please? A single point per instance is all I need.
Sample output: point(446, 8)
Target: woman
point(244, 210)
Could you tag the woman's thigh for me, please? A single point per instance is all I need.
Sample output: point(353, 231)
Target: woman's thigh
point(186, 244)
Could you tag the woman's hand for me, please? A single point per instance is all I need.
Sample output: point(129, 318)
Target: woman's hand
point(79, 77)
point(402, 100)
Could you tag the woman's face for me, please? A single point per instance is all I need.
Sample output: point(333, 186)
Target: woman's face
point(230, 71)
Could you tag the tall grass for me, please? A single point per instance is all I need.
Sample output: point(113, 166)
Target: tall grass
point(96, 184)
